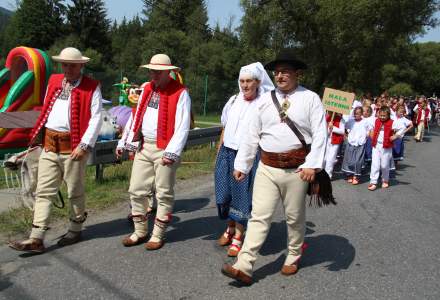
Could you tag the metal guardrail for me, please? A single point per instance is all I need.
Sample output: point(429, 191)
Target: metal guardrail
point(104, 151)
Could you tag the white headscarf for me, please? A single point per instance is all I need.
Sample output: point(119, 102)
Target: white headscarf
point(257, 71)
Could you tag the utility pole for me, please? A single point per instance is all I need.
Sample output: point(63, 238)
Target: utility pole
point(206, 95)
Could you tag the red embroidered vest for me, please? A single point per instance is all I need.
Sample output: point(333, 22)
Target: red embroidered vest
point(419, 116)
point(167, 112)
point(387, 133)
point(80, 102)
point(336, 139)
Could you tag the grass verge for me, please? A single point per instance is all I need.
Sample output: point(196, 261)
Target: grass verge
point(196, 161)
point(207, 118)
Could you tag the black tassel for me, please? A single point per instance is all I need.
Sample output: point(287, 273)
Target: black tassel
point(321, 191)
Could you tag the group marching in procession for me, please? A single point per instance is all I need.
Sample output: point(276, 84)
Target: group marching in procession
point(278, 146)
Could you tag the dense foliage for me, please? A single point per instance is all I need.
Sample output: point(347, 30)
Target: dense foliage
point(362, 45)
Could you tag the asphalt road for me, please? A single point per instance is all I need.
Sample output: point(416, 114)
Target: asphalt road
point(373, 245)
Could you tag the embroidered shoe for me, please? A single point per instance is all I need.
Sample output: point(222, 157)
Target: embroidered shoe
point(372, 187)
point(355, 181)
point(350, 180)
point(385, 184)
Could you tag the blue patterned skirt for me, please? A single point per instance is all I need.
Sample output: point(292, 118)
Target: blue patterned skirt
point(398, 149)
point(233, 198)
point(368, 149)
point(353, 160)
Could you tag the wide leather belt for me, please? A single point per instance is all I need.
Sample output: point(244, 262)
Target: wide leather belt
point(57, 142)
point(284, 160)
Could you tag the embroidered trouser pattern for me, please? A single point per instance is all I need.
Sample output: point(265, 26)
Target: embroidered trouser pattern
point(271, 187)
point(148, 171)
point(53, 169)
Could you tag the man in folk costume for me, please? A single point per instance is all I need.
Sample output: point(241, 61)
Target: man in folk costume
point(286, 166)
point(422, 117)
point(160, 124)
point(67, 129)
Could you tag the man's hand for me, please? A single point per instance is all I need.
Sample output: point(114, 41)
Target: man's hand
point(393, 137)
point(167, 161)
point(238, 175)
point(119, 152)
point(78, 154)
point(307, 174)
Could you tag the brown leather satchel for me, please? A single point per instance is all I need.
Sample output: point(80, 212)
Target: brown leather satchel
point(320, 190)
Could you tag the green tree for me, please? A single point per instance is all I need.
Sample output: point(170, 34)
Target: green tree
point(345, 43)
point(36, 23)
point(401, 88)
point(210, 58)
point(126, 41)
point(426, 63)
point(87, 19)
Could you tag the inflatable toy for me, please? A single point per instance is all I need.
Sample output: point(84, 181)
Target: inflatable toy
point(23, 83)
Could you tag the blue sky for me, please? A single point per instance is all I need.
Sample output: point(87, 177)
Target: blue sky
point(218, 10)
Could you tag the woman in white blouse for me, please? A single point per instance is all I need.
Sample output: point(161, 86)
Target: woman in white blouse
point(233, 198)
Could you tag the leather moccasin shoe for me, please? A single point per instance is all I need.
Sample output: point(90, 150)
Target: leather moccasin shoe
point(238, 275)
point(31, 245)
point(154, 245)
point(70, 238)
point(128, 242)
point(288, 270)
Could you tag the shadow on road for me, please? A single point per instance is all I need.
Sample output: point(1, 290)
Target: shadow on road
point(107, 229)
point(335, 251)
point(209, 228)
point(189, 205)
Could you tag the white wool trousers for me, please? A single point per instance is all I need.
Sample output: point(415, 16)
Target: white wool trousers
point(149, 174)
point(53, 169)
point(274, 186)
point(380, 163)
point(420, 131)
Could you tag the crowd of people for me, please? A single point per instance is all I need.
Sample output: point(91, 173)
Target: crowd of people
point(373, 134)
point(276, 142)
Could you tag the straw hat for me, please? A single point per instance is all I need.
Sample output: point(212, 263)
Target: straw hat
point(160, 62)
point(70, 55)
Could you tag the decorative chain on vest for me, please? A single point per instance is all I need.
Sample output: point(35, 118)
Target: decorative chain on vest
point(74, 115)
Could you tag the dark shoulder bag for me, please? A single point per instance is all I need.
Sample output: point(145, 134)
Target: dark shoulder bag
point(320, 190)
